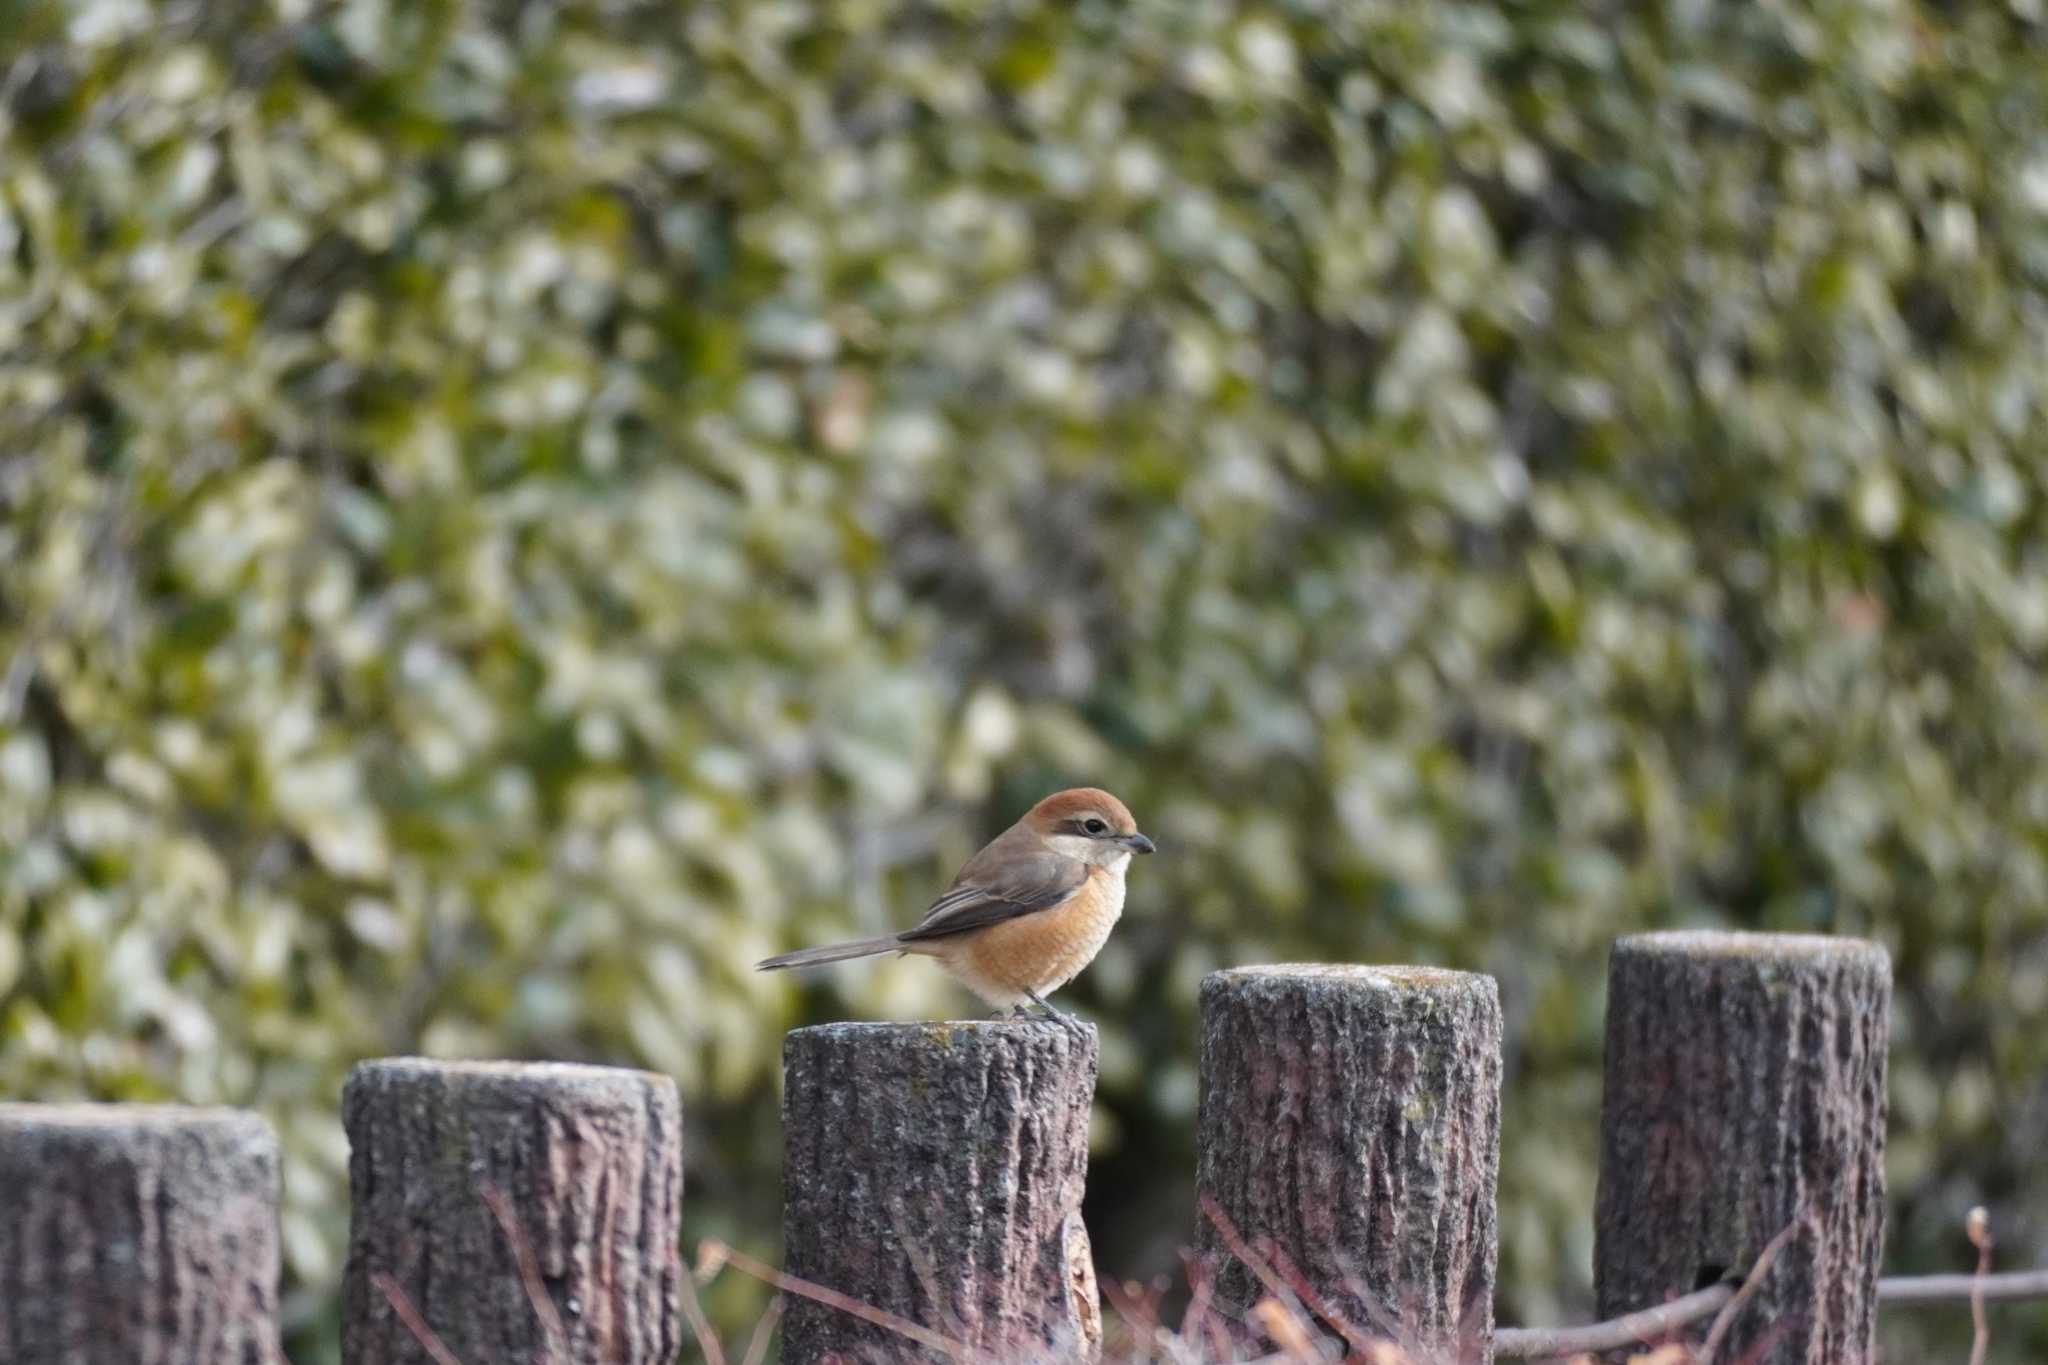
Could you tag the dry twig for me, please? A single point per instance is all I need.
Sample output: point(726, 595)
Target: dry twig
point(1750, 1284)
point(1282, 1296)
point(529, 1269)
point(1917, 1289)
point(414, 1323)
point(700, 1326)
point(1284, 1266)
point(832, 1298)
point(1200, 1320)
point(1978, 1225)
point(757, 1348)
point(1632, 1329)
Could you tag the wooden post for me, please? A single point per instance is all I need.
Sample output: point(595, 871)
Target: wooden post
point(584, 1162)
point(1350, 1119)
point(1745, 1091)
point(137, 1235)
point(935, 1171)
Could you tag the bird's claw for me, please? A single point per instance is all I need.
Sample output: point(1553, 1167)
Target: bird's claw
point(1056, 1016)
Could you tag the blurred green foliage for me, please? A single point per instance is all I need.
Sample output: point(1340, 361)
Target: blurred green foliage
point(512, 512)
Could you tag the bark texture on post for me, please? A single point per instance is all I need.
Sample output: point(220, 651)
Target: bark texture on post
point(137, 1235)
point(588, 1161)
point(936, 1171)
point(1745, 1089)
point(1351, 1115)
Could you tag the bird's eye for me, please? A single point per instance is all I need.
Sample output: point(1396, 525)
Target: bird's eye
point(1095, 827)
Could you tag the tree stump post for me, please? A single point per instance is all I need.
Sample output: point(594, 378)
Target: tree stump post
point(583, 1162)
point(1350, 1121)
point(1745, 1092)
point(137, 1235)
point(935, 1171)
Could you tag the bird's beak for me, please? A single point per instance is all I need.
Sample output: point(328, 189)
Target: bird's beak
point(1138, 843)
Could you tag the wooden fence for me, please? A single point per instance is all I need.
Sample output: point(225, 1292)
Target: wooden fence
point(1349, 1138)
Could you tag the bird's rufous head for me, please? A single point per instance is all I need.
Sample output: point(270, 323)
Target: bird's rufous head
point(1089, 824)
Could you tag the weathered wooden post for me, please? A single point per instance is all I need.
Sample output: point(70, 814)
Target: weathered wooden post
point(1350, 1118)
point(137, 1235)
point(516, 1211)
point(1745, 1092)
point(935, 1171)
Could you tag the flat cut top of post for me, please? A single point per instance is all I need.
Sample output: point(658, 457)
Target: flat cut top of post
point(114, 1116)
point(565, 1073)
point(1432, 979)
point(1729, 943)
point(938, 1031)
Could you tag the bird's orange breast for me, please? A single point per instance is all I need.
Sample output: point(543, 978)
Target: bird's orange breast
point(1041, 951)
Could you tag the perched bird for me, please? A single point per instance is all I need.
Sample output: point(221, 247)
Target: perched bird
point(1028, 912)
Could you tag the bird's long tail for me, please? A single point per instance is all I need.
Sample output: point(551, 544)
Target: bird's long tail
point(831, 952)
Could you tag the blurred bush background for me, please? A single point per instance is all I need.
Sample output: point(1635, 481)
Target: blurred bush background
point(514, 511)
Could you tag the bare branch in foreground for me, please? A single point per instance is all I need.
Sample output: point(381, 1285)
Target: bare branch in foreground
point(1979, 1228)
point(700, 1326)
point(414, 1323)
point(832, 1298)
point(1632, 1329)
point(529, 1269)
point(1750, 1284)
point(1537, 1343)
point(2013, 1284)
point(1234, 1242)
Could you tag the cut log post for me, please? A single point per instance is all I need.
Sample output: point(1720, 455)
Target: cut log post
point(935, 1172)
point(1350, 1126)
point(513, 1212)
point(137, 1235)
point(1745, 1092)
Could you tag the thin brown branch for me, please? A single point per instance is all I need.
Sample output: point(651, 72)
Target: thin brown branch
point(700, 1326)
point(757, 1346)
point(1979, 1227)
point(1283, 1265)
point(921, 1266)
point(429, 1341)
point(1634, 1329)
point(1285, 1329)
point(832, 1298)
point(1137, 1311)
point(529, 1270)
point(1194, 1323)
point(1915, 1289)
point(1750, 1284)
point(1631, 1329)
point(1255, 1263)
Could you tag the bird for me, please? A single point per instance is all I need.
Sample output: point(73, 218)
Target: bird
point(1025, 914)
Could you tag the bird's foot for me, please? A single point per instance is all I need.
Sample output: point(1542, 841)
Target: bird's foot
point(1060, 1017)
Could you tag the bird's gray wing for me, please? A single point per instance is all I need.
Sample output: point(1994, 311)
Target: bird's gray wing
point(989, 891)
